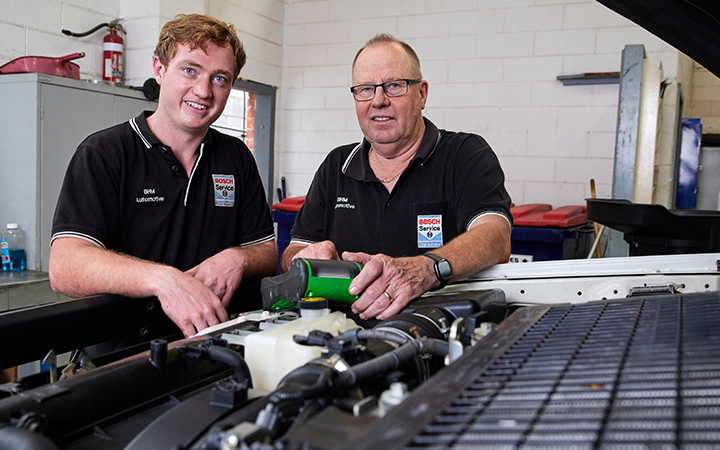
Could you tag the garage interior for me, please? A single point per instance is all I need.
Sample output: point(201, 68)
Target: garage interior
point(600, 333)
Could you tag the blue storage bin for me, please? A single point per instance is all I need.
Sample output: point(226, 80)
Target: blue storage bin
point(283, 214)
point(284, 221)
point(546, 244)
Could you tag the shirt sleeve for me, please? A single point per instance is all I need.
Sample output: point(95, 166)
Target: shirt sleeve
point(87, 206)
point(479, 183)
point(312, 220)
point(256, 225)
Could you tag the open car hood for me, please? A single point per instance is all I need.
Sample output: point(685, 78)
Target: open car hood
point(691, 26)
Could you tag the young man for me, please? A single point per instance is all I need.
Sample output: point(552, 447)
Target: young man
point(163, 205)
point(417, 206)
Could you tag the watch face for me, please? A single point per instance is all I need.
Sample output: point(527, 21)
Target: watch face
point(444, 269)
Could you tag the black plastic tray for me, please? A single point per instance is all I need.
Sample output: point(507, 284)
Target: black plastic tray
point(653, 229)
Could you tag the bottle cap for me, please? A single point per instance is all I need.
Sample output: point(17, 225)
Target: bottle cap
point(13, 226)
point(313, 303)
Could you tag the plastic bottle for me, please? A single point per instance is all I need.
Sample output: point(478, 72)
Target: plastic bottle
point(12, 246)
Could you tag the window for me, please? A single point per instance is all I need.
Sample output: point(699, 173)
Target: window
point(238, 118)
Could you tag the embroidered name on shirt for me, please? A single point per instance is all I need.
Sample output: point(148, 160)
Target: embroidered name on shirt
point(342, 202)
point(224, 190)
point(152, 199)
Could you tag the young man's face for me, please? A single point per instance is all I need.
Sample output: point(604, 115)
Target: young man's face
point(384, 120)
point(195, 86)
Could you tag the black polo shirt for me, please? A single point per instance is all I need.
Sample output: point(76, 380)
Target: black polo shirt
point(453, 179)
point(124, 190)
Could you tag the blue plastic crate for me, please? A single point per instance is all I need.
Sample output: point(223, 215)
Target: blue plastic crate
point(284, 221)
point(547, 244)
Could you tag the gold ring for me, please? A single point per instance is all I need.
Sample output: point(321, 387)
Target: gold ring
point(388, 296)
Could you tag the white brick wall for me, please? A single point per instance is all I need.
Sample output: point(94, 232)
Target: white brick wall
point(491, 64)
point(472, 71)
point(12, 41)
point(579, 15)
point(531, 68)
point(473, 22)
point(705, 99)
point(565, 42)
point(556, 145)
point(503, 45)
point(534, 18)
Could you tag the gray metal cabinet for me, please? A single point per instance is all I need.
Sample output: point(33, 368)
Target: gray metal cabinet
point(42, 121)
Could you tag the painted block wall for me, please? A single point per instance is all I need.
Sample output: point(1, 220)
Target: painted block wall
point(491, 66)
point(706, 99)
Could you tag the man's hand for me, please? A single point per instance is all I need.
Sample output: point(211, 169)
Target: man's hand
point(386, 285)
point(320, 250)
point(222, 273)
point(190, 304)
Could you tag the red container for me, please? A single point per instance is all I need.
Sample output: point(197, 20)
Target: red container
point(59, 67)
point(550, 234)
point(542, 215)
point(292, 204)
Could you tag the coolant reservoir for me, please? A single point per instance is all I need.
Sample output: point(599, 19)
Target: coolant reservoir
point(271, 354)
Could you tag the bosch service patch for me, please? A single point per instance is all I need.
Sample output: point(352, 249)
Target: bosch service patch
point(429, 230)
point(224, 190)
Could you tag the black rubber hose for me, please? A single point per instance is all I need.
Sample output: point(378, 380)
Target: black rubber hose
point(384, 335)
point(381, 364)
point(70, 33)
point(439, 347)
point(393, 359)
point(317, 389)
point(12, 438)
point(232, 359)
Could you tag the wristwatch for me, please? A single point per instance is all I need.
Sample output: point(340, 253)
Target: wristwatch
point(442, 269)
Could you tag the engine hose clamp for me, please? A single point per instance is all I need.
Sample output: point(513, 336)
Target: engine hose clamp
point(338, 363)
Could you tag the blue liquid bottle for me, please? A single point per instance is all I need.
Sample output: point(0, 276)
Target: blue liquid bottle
point(12, 248)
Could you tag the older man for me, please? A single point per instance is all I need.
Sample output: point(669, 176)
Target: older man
point(163, 205)
point(419, 207)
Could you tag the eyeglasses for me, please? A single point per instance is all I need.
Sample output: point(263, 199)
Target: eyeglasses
point(394, 88)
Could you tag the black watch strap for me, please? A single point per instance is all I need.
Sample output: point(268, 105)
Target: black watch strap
point(443, 271)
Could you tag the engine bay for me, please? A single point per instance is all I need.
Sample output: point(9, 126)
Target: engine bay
point(261, 380)
point(508, 359)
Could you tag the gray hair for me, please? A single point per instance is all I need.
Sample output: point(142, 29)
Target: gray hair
point(385, 38)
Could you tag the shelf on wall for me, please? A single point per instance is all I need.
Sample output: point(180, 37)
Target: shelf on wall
point(590, 78)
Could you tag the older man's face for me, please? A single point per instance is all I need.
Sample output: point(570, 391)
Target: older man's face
point(391, 125)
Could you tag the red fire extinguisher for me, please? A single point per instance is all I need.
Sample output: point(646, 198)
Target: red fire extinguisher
point(112, 67)
point(113, 55)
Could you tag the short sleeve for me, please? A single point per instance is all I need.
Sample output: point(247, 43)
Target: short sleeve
point(310, 222)
point(88, 202)
point(256, 224)
point(479, 182)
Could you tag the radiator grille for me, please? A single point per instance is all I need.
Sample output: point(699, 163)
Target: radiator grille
point(636, 373)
